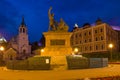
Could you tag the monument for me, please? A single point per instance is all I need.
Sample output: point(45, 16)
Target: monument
point(57, 41)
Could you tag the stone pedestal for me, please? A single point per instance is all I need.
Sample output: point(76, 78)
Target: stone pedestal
point(57, 45)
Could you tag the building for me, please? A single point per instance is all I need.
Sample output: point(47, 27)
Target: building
point(20, 43)
point(89, 39)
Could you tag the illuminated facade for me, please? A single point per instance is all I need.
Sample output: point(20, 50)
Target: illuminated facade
point(94, 38)
point(20, 43)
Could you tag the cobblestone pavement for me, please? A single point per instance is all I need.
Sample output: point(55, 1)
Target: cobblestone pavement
point(111, 70)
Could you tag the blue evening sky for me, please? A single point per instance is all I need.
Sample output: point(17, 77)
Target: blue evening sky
point(72, 11)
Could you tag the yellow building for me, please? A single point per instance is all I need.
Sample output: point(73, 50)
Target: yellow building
point(96, 38)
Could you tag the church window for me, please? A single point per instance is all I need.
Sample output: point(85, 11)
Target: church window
point(23, 30)
point(24, 51)
point(20, 29)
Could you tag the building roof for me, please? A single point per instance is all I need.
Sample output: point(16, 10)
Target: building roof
point(2, 39)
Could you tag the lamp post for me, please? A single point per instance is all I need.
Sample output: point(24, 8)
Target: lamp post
point(75, 50)
point(2, 48)
point(111, 47)
point(1, 51)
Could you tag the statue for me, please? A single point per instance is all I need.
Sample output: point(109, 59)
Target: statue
point(62, 26)
point(53, 25)
point(52, 21)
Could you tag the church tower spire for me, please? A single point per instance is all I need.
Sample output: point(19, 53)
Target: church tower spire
point(23, 28)
point(23, 22)
point(23, 42)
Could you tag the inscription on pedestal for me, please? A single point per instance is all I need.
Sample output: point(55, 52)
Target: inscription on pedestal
point(56, 42)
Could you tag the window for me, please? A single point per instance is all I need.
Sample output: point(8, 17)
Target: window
point(101, 37)
point(85, 34)
point(89, 33)
point(102, 47)
point(76, 42)
point(76, 35)
point(85, 48)
point(20, 29)
point(79, 35)
point(90, 48)
point(80, 42)
point(101, 30)
point(96, 47)
point(89, 40)
point(96, 39)
point(23, 30)
point(95, 31)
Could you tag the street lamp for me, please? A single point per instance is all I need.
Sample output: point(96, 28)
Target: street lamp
point(75, 50)
point(2, 48)
point(1, 51)
point(110, 46)
point(42, 50)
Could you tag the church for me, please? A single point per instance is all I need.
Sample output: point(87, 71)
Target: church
point(20, 43)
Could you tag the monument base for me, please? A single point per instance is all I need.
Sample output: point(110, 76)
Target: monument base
point(58, 63)
point(57, 46)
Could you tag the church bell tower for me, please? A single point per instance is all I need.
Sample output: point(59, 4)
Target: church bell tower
point(23, 42)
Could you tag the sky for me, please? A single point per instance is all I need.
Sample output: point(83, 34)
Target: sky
point(35, 13)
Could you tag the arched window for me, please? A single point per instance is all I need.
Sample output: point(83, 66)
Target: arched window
point(24, 51)
point(20, 30)
point(23, 30)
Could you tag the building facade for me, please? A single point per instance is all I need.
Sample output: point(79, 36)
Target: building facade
point(20, 43)
point(89, 39)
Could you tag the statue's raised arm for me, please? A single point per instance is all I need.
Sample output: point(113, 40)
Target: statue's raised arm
point(49, 12)
point(51, 20)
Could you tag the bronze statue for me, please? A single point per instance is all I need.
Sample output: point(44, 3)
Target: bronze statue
point(52, 21)
point(62, 26)
point(53, 25)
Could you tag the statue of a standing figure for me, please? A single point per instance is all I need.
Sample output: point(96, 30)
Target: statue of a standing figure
point(51, 20)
